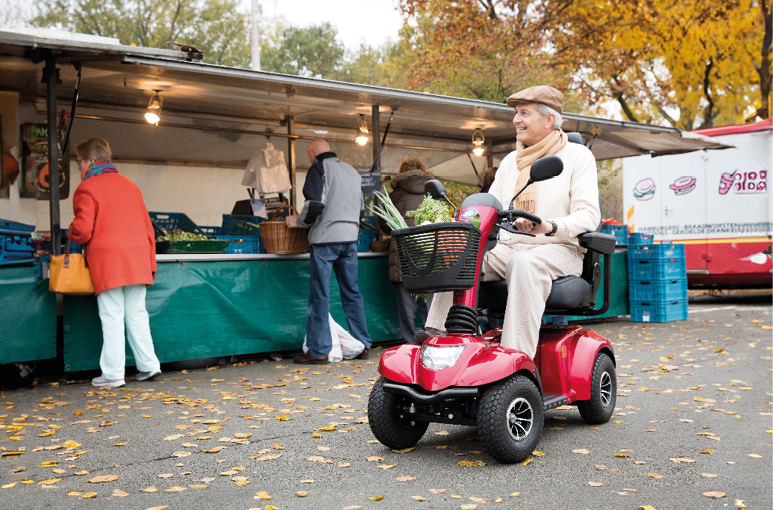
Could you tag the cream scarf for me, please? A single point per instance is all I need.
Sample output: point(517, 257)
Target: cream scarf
point(525, 156)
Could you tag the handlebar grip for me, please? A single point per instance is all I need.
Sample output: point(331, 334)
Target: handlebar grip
point(518, 213)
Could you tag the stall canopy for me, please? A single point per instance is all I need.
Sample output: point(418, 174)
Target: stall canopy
point(210, 110)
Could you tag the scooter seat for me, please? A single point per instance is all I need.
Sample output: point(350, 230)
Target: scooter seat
point(566, 292)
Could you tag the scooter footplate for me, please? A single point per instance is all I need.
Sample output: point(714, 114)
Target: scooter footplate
point(552, 401)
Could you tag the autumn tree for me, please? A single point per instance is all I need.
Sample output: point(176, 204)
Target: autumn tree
point(217, 27)
point(312, 51)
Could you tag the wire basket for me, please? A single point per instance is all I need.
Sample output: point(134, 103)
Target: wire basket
point(438, 257)
point(280, 239)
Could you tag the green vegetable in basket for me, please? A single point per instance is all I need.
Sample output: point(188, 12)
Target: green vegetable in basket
point(431, 210)
point(387, 211)
point(180, 235)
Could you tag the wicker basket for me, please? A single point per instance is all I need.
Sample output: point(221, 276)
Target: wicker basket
point(281, 239)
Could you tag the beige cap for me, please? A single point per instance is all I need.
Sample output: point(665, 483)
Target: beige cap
point(544, 94)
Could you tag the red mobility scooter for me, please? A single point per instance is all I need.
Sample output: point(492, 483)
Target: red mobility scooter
point(468, 378)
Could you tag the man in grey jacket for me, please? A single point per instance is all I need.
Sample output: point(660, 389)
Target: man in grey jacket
point(333, 208)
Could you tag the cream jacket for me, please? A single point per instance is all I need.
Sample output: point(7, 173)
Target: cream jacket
point(570, 199)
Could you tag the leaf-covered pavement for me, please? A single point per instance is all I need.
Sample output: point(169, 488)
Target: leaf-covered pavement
point(692, 429)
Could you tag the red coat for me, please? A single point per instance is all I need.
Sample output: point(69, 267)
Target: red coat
point(111, 217)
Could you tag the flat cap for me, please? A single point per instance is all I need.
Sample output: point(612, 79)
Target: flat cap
point(544, 94)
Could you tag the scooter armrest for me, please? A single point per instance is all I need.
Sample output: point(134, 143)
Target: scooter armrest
point(598, 242)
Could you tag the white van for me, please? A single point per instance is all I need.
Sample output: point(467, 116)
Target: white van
point(715, 202)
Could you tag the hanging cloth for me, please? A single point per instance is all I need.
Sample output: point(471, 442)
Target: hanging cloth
point(267, 171)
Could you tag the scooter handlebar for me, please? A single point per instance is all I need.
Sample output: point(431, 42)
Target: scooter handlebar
point(518, 213)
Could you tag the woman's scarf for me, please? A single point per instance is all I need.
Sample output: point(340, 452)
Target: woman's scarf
point(99, 169)
point(524, 157)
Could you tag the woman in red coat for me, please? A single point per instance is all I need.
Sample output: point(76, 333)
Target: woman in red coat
point(112, 221)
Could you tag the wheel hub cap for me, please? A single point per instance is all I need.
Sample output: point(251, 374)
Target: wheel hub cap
point(605, 387)
point(520, 416)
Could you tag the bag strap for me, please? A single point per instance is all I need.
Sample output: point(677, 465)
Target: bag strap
point(66, 263)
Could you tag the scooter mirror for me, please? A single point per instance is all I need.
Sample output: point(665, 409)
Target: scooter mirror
point(435, 189)
point(544, 168)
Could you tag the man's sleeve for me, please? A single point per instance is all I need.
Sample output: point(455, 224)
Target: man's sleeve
point(312, 193)
point(584, 213)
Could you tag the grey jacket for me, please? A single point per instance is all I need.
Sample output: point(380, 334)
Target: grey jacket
point(333, 203)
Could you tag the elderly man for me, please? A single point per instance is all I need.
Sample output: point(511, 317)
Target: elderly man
point(333, 207)
point(568, 205)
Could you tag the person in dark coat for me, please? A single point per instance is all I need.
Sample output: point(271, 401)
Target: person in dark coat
point(407, 194)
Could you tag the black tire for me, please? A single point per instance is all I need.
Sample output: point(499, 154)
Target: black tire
point(510, 419)
point(603, 392)
point(391, 425)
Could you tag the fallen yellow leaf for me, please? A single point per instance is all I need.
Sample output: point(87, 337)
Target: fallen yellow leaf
point(714, 494)
point(406, 478)
point(376, 498)
point(386, 466)
point(655, 475)
point(50, 481)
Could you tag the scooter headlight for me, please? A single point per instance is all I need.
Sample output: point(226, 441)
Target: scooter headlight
point(438, 358)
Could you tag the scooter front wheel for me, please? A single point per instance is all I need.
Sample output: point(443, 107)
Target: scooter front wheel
point(390, 421)
point(510, 419)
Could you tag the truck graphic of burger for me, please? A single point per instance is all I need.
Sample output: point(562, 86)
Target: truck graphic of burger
point(644, 189)
point(683, 185)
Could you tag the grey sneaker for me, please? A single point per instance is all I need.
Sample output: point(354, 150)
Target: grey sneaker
point(147, 376)
point(110, 383)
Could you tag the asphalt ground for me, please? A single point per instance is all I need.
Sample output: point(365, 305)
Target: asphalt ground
point(693, 418)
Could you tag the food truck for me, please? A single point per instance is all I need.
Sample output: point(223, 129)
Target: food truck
point(717, 203)
point(210, 121)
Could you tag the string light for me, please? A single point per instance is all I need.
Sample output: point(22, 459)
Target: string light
point(477, 143)
point(362, 131)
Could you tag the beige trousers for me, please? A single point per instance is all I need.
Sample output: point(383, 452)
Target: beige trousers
point(529, 270)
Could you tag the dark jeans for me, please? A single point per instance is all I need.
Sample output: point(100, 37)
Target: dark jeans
point(407, 308)
point(341, 258)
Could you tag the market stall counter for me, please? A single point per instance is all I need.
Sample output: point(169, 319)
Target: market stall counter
point(218, 305)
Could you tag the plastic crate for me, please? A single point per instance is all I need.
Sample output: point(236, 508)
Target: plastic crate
point(364, 238)
point(172, 221)
point(244, 245)
point(15, 248)
point(368, 223)
point(659, 311)
point(656, 269)
point(656, 251)
point(619, 231)
point(241, 225)
point(636, 238)
point(211, 231)
point(657, 290)
point(15, 226)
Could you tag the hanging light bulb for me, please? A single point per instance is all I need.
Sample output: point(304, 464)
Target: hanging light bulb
point(362, 131)
point(154, 108)
point(477, 143)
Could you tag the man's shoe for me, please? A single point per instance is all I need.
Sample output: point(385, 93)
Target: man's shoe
point(305, 359)
point(147, 376)
point(110, 383)
point(365, 354)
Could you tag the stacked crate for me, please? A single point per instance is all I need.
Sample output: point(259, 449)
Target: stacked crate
point(619, 231)
point(657, 282)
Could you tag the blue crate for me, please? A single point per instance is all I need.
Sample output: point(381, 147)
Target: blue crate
point(364, 238)
point(657, 290)
point(619, 231)
point(15, 226)
point(172, 221)
point(659, 311)
point(368, 223)
point(656, 269)
point(16, 248)
point(211, 231)
point(243, 245)
point(241, 225)
point(656, 251)
point(636, 238)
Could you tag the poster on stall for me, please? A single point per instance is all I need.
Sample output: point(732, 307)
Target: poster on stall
point(371, 182)
point(35, 169)
point(273, 203)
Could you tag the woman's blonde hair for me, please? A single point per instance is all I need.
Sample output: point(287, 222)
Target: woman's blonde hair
point(94, 148)
point(412, 164)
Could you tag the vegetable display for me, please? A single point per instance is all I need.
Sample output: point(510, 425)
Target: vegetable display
point(387, 211)
point(431, 211)
point(180, 235)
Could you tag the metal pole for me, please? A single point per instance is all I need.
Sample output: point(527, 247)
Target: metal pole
point(291, 157)
point(50, 76)
point(375, 130)
point(255, 36)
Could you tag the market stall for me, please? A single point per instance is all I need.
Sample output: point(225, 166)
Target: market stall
point(212, 121)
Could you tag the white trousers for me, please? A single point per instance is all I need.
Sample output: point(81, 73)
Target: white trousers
point(119, 306)
point(529, 270)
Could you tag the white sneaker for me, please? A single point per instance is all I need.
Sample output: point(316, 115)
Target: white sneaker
point(110, 383)
point(147, 376)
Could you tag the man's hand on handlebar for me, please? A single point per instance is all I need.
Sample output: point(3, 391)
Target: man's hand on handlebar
point(529, 227)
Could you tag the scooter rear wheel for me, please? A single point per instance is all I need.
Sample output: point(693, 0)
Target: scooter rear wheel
point(389, 420)
point(603, 392)
point(510, 419)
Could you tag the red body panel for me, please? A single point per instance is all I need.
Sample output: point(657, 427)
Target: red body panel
point(488, 217)
point(729, 262)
